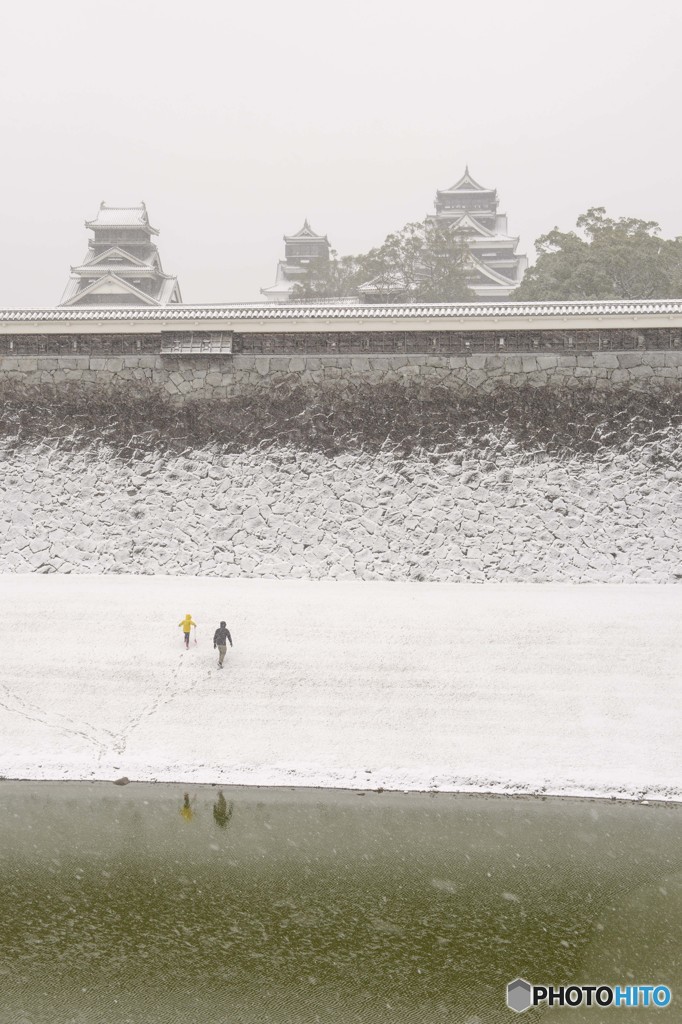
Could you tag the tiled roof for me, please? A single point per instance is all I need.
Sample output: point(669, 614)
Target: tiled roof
point(341, 311)
point(94, 258)
point(305, 232)
point(122, 269)
point(121, 216)
point(466, 184)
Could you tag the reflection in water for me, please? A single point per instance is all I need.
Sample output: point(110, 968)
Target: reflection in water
point(186, 809)
point(395, 909)
point(222, 811)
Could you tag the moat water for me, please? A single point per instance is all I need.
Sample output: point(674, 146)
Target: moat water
point(122, 905)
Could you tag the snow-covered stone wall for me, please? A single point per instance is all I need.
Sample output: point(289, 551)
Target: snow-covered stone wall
point(498, 515)
point(224, 376)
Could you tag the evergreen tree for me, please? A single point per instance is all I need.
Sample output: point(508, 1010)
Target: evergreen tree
point(614, 259)
point(423, 262)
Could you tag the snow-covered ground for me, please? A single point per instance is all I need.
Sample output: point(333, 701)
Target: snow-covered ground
point(515, 688)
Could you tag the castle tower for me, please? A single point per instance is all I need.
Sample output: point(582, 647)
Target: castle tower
point(122, 266)
point(300, 251)
point(495, 268)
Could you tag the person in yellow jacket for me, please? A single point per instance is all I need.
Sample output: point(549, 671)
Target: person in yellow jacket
point(186, 625)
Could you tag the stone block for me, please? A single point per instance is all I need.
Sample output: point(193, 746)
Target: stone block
point(74, 362)
point(547, 362)
point(149, 362)
point(114, 364)
point(475, 378)
point(395, 362)
point(296, 364)
point(243, 363)
point(360, 363)
point(641, 371)
point(277, 362)
point(629, 359)
point(609, 360)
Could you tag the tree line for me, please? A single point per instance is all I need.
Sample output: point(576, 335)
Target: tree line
point(428, 262)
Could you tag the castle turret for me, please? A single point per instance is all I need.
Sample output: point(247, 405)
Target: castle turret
point(494, 268)
point(122, 265)
point(301, 250)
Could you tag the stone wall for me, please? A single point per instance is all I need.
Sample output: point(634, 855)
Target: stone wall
point(482, 516)
point(223, 376)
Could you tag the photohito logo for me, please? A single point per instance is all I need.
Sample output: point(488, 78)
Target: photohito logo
point(521, 995)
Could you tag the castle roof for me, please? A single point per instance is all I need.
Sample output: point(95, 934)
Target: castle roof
point(610, 313)
point(109, 283)
point(121, 217)
point(306, 232)
point(114, 272)
point(122, 257)
point(466, 184)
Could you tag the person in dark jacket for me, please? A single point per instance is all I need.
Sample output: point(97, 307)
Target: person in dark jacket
point(221, 634)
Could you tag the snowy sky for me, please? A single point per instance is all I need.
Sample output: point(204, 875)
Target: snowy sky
point(234, 121)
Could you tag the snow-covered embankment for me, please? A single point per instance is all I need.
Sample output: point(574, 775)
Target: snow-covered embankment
point(511, 688)
point(497, 516)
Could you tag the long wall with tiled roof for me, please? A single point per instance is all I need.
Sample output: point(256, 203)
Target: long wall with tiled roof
point(506, 316)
